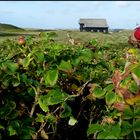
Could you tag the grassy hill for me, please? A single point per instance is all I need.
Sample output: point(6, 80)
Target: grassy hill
point(11, 31)
point(9, 27)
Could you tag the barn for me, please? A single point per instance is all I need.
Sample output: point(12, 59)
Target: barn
point(93, 25)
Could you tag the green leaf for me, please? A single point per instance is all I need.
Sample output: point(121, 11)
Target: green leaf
point(110, 98)
point(119, 98)
point(4, 111)
point(125, 82)
point(137, 112)
point(51, 118)
point(115, 131)
point(128, 113)
point(93, 128)
point(6, 82)
point(93, 42)
point(126, 128)
point(26, 61)
point(132, 67)
point(72, 121)
point(86, 55)
point(65, 65)
point(27, 132)
point(1, 127)
point(98, 92)
point(40, 118)
point(42, 103)
point(66, 112)
point(109, 88)
point(11, 130)
point(102, 135)
point(136, 71)
point(110, 137)
point(55, 96)
point(51, 77)
point(11, 104)
point(133, 87)
point(15, 82)
point(14, 114)
point(136, 125)
point(40, 56)
point(76, 61)
point(12, 66)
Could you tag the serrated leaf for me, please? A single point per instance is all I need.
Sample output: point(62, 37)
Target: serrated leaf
point(98, 92)
point(42, 103)
point(93, 128)
point(110, 98)
point(51, 77)
point(72, 121)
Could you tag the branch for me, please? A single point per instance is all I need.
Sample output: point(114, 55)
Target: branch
point(37, 93)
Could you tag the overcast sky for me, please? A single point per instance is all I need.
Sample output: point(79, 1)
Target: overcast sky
point(66, 14)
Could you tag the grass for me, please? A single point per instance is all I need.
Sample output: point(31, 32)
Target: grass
point(118, 38)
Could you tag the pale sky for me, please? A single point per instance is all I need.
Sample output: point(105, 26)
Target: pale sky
point(66, 14)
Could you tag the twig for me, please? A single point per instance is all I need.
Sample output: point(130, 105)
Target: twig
point(83, 86)
point(37, 93)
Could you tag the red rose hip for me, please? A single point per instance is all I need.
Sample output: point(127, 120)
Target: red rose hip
point(21, 40)
point(137, 33)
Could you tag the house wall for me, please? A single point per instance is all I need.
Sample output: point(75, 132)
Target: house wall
point(93, 29)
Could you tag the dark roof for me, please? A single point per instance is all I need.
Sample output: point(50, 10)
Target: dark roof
point(93, 22)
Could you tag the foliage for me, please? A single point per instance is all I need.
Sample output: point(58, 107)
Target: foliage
point(46, 85)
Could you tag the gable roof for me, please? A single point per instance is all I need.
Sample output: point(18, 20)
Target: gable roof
point(93, 22)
